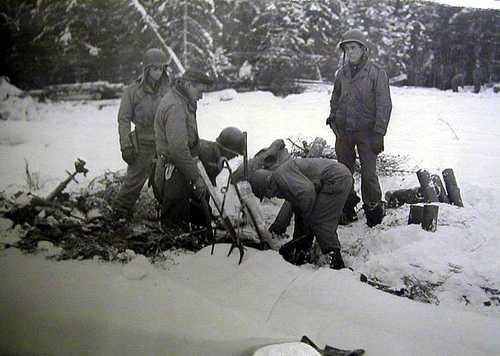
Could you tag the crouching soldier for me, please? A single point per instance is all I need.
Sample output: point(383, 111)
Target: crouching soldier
point(229, 144)
point(317, 188)
point(138, 105)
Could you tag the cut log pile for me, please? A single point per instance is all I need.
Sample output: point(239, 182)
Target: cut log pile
point(80, 91)
point(431, 190)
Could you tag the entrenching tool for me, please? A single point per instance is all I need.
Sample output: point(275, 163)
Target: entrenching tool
point(236, 242)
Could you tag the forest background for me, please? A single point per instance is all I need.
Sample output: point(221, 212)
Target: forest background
point(243, 43)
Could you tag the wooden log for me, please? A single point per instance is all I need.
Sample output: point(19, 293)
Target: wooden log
point(428, 190)
point(251, 206)
point(441, 192)
point(80, 91)
point(429, 217)
point(416, 214)
point(452, 187)
point(396, 198)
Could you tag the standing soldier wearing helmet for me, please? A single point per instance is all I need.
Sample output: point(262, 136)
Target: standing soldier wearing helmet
point(177, 179)
point(360, 109)
point(138, 105)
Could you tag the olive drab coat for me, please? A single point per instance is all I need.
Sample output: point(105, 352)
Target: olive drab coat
point(318, 189)
point(138, 105)
point(362, 102)
point(176, 132)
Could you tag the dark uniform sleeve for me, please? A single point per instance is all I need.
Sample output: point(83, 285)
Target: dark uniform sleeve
point(125, 114)
point(337, 91)
point(383, 103)
point(298, 190)
point(177, 138)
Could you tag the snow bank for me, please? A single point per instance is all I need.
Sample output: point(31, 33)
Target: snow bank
point(15, 105)
point(210, 303)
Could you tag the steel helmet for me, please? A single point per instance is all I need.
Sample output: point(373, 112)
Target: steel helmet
point(354, 35)
point(154, 56)
point(231, 139)
point(260, 182)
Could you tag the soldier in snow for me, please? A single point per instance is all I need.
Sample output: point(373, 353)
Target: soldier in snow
point(178, 185)
point(360, 109)
point(138, 105)
point(457, 81)
point(317, 189)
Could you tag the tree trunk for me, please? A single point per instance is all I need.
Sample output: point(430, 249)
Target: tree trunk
point(452, 187)
point(80, 91)
point(429, 217)
point(441, 192)
point(396, 198)
point(427, 186)
point(416, 214)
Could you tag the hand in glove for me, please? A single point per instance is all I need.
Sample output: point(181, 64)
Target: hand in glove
point(377, 143)
point(128, 155)
point(330, 121)
point(277, 228)
point(200, 189)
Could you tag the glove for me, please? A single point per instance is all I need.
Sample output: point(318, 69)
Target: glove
point(199, 189)
point(330, 121)
point(377, 143)
point(128, 155)
point(277, 228)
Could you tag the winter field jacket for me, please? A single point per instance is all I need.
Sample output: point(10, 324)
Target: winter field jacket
point(138, 105)
point(362, 102)
point(176, 132)
point(300, 180)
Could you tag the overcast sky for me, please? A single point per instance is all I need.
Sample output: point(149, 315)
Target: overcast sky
point(482, 4)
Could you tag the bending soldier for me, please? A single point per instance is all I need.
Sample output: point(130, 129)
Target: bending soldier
point(138, 105)
point(360, 109)
point(317, 189)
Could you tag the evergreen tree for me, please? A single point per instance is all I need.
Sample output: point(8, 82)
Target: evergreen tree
point(190, 28)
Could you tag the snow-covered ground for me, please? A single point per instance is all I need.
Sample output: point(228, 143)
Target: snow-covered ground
point(209, 305)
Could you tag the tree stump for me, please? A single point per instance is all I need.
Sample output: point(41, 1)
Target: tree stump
point(452, 187)
point(428, 190)
point(441, 192)
point(429, 217)
point(416, 214)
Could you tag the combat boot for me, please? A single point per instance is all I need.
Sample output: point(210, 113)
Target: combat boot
point(374, 213)
point(349, 214)
point(336, 260)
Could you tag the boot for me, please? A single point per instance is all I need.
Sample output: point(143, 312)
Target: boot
point(297, 251)
point(336, 260)
point(374, 213)
point(349, 214)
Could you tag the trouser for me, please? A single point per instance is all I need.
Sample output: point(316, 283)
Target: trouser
point(328, 208)
point(136, 176)
point(345, 148)
point(179, 207)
